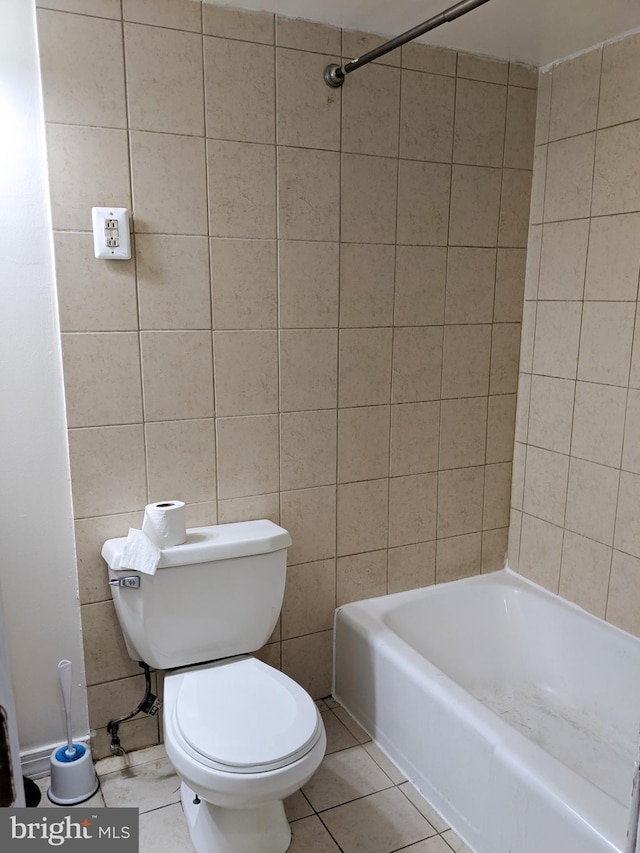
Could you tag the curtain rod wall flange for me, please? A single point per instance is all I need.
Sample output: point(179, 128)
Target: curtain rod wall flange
point(334, 75)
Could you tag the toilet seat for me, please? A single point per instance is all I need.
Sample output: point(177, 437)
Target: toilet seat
point(242, 716)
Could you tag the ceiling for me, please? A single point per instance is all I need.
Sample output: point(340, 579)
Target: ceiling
point(532, 31)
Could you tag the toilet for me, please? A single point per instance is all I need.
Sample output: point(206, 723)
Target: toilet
point(240, 734)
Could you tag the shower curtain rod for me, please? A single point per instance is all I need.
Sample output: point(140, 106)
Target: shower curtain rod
point(334, 75)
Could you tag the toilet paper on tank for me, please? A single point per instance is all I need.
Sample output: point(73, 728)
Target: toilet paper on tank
point(140, 553)
point(164, 523)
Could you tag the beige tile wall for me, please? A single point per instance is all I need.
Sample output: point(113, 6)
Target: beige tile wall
point(575, 518)
point(321, 321)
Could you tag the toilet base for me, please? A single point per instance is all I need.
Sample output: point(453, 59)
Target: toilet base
point(214, 829)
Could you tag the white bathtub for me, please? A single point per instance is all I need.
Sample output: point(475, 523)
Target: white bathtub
point(515, 713)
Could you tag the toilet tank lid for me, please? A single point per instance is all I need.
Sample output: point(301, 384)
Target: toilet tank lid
point(216, 542)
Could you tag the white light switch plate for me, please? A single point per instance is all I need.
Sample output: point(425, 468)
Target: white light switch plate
point(111, 239)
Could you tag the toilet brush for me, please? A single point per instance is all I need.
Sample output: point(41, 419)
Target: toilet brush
point(73, 776)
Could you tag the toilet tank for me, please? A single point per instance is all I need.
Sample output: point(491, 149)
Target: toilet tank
point(216, 596)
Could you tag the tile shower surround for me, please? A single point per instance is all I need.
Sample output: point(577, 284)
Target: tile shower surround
point(575, 524)
point(321, 321)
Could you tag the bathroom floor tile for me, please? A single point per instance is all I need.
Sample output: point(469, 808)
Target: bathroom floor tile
point(310, 836)
point(150, 786)
point(345, 776)
point(424, 807)
point(356, 730)
point(454, 841)
point(384, 763)
point(164, 831)
point(338, 735)
point(429, 845)
point(116, 763)
point(380, 823)
point(297, 806)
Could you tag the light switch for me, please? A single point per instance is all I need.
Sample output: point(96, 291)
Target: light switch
point(111, 240)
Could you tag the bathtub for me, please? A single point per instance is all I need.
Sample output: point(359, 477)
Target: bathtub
point(514, 712)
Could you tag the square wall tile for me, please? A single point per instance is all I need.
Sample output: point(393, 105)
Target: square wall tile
point(173, 282)
point(309, 599)
point(177, 375)
point(308, 447)
point(598, 423)
point(523, 75)
point(614, 258)
point(90, 535)
point(248, 508)
point(471, 276)
point(308, 112)
point(460, 498)
point(366, 284)
point(540, 552)
point(361, 576)
point(365, 367)
point(475, 206)
point(634, 378)
point(363, 443)
point(105, 654)
point(238, 24)
point(239, 106)
point(534, 252)
point(494, 549)
point(627, 535)
point(538, 184)
point(624, 590)
point(107, 470)
point(370, 112)
point(73, 50)
point(426, 117)
point(307, 35)
point(543, 110)
point(509, 290)
point(463, 432)
point(411, 566)
point(458, 557)
point(513, 550)
point(112, 307)
point(429, 58)
point(102, 378)
point(500, 428)
point(475, 67)
point(584, 573)
point(563, 259)
point(505, 349)
point(619, 101)
point(520, 128)
point(308, 194)
point(423, 203)
point(557, 337)
point(246, 372)
point(515, 204)
point(480, 123)
point(527, 334)
point(242, 189)
point(310, 517)
point(591, 500)
point(181, 460)
point(98, 160)
point(355, 43)
point(545, 485)
point(247, 453)
point(244, 284)
point(176, 14)
point(368, 199)
point(165, 166)
point(605, 342)
point(466, 355)
point(99, 8)
point(551, 413)
point(309, 284)
point(415, 428)
point(417, 364)
point(616, 179)
point(363, 516)
point(497, 493)
point(420, 285)
point(574, 99)
point(522, 407)
point(308, 369)
point(164, 79)
point(413, 505)
point(569, 178)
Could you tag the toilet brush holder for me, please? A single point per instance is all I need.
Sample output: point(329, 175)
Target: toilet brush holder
point(73, 778)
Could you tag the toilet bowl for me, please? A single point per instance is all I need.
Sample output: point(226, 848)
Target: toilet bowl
point(242, 736)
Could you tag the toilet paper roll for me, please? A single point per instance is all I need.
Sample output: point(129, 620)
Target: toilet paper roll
point(164, 523)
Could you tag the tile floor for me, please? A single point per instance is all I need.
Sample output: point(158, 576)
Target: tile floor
point(357, 802)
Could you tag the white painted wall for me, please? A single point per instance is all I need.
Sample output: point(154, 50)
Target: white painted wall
point(38, 573)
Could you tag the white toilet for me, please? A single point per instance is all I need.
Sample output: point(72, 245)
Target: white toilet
point(241, 735)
